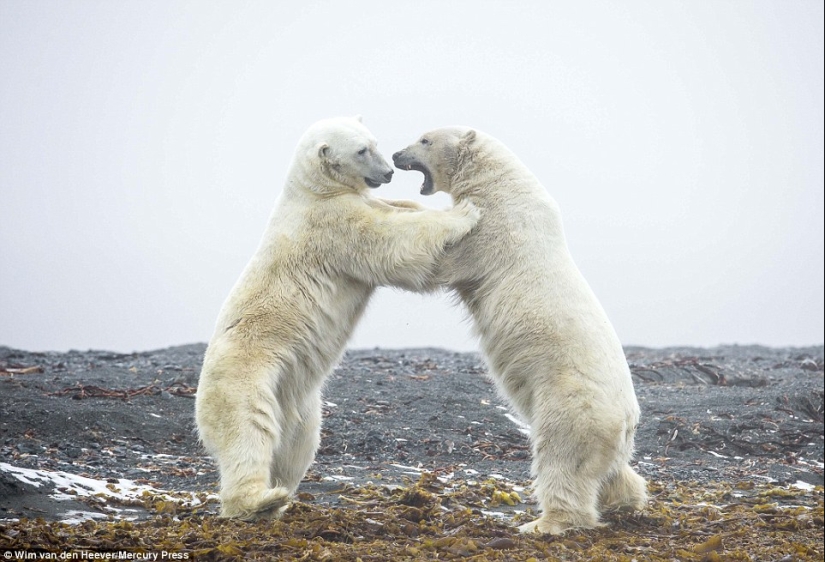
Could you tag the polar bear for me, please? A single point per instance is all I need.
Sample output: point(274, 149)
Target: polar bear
point(327, 246)
point(550, 346)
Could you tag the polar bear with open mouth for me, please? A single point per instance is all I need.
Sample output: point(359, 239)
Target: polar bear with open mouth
point(550, 346)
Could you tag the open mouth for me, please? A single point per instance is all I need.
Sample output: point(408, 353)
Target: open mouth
point(404, 161)
point(427, 187)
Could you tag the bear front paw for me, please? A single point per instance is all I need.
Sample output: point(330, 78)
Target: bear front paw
point(469, 210)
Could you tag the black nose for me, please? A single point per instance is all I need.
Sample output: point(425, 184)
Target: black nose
point(388, 175)
point(396, 156)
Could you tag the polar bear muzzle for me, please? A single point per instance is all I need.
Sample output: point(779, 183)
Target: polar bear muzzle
point(373, 183)
point(403, 161)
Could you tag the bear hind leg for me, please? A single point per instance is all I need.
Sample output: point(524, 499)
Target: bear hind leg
point(624, 490)
point(295, 454)
point(567, 502)
point(572, 454)
point(241, 435)
point(246, 491)
point(566, 487)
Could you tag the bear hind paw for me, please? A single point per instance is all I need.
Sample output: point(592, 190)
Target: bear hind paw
point(555, 526)
point(627, 491)
point(270, 505)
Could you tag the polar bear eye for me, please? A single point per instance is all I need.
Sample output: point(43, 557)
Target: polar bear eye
point(362, 152)
point(425, 141)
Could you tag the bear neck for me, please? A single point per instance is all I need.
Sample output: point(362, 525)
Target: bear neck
point(486, 162)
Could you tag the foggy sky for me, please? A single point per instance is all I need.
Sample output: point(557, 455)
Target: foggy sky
point(143, 145)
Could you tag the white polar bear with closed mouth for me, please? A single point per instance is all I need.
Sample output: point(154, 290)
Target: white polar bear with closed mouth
point(327, 246)
point(550, 346)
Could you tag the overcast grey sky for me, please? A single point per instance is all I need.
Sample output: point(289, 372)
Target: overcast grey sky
point(143, 144)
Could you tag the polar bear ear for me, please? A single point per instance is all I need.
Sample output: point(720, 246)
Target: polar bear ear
point(468, 137)
point(359, 118)
point(323, 150)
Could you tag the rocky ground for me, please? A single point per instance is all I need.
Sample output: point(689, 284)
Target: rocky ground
point(104, 438)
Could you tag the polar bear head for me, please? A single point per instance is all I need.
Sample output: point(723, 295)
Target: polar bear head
point(438, 155)
point(341, 152)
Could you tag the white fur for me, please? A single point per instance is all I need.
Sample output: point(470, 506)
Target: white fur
point(550, 346)
point(327, 246)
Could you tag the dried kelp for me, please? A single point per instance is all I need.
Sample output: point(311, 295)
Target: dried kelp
point(432, 520)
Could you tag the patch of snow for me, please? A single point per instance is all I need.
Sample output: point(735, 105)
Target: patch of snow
point(814, 463)
point(522, 427)
point(415, 469)
point(69, 486)
point(768, 478)
point(75, 517)
point(497, 514)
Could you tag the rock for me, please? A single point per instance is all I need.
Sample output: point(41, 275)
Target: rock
point(29, 448)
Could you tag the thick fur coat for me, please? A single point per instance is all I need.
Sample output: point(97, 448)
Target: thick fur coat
point(550, 346)
point(327, 246)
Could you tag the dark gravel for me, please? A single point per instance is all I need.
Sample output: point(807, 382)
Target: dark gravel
point(720, 414)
